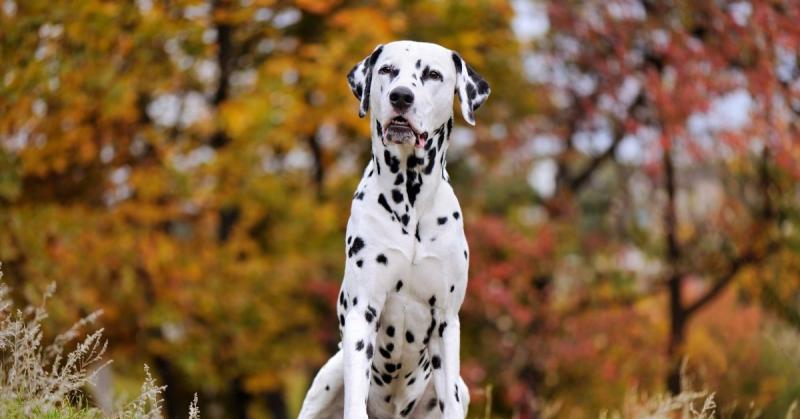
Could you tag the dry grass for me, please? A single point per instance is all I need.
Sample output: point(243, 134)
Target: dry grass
point(45, 381)
point(688, 404)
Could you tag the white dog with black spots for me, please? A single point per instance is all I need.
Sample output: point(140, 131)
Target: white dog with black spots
point(407, 258)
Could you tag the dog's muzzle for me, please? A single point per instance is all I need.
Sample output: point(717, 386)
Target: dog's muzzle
point(400, 131)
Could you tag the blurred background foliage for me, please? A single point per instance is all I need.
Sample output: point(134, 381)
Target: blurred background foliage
point(630, 191)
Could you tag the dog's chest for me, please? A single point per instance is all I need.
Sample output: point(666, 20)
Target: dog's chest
point(414, 313)
point(402, 366)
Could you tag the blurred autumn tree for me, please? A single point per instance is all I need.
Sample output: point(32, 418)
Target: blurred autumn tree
point(188, 167)
point(672, 139)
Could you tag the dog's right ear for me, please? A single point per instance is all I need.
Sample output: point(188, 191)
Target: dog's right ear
point(471, 88)
point(360, 79)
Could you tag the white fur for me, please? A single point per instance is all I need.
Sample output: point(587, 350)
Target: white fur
point(402, 232)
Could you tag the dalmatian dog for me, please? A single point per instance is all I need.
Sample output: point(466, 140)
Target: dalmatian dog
point(406, 270)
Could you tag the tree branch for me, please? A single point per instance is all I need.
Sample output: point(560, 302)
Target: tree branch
point(749, 257)
point(577, 181)
point(585, 304)
point(736, 265)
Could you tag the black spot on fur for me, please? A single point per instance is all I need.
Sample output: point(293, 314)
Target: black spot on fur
point(360, 263)
point(412, 187)
point(441, 328)
point(369, 351)
point(431, 161)
point(417, 233)
point(374, 57)
point(452, 288)
point(355, 301)
point(412, 161)
point(341, 320)
point(409, 337)
point(465, 254)
point(390, 331)
point(327, 388)
point(359, 345)
point(441, 220)
point(404, 219)
point(370, 314)
point(392, 161)
point(366, 70)
point(441, 406)
point(358, 244)
point(398, 286)
point(425, 74)
point(384, 353)
point(456, 215)
point(386, 378)
point(408, 409)
point(387, 399)
point(379, 128)
point(432, 300)
point(382, 201)
point(457, 62)
point(432, 404)
point(419, 63)
point(457, 393)
point(390, 346)
point(399, 179)
point(381, 259)
point(390, 367)
point(397, 196)
point(483, 87)
point(471, 92)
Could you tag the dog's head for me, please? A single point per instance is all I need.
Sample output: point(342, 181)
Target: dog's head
point(409, 88)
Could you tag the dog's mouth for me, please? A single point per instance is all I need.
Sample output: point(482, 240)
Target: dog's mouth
point(400, 131)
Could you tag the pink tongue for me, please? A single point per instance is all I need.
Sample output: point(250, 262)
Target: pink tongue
point(421, 140)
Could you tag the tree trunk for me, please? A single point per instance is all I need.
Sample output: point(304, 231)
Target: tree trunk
point(677, 312)
point(174, 400)
point(678, 318)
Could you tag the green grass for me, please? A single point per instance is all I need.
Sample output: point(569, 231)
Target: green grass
point(19, 409)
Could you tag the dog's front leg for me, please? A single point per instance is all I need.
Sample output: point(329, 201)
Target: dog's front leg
point(445, 354)
point(358, 347)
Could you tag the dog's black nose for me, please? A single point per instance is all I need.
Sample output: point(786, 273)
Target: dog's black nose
point(401, 98)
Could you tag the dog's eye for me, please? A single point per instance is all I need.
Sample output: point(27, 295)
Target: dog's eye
point(435, 75)
point(385, 69)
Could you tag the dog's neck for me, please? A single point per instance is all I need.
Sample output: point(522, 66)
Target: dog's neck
point(408, 175)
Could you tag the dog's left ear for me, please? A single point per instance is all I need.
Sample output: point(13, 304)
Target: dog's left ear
point(471, 88)
point(360, 79)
